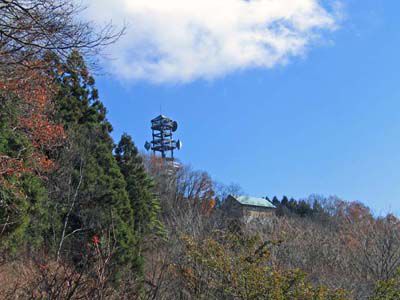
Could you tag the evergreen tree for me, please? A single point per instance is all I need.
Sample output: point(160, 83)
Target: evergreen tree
point(145, 204)
point(279, 207)
point(285, 201)
point(275, 201)
point(304, 209)
point(99, 201)
point(139, 186)
point(78, 104)
point(291, 204)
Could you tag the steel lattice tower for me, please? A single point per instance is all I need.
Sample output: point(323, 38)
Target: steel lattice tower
point(162, 130)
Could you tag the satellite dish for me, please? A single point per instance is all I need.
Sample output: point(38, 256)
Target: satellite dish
point(147, 146)
point(179, 145)
point(174, 126)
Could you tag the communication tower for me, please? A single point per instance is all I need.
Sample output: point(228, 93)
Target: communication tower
point(162, 129)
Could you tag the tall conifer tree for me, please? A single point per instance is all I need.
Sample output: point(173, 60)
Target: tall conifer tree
point(139, 186)
point(99, 200)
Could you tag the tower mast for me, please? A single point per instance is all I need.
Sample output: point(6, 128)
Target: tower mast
point(162, 129)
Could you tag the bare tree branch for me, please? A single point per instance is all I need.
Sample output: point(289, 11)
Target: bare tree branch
point(29, 29)
point(72, 205)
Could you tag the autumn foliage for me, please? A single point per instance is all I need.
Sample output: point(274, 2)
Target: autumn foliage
point(230, 266)
point(33, 95)
point(83, 217)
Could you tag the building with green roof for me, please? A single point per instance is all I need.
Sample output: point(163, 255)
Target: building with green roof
point(248, 208)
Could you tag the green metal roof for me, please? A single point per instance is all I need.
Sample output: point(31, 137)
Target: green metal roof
point(253, 201)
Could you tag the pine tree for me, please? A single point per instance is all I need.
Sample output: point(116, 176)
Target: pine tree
point(279, 207)
point(275, 201)
point(285, 201)
point(140, 188)
point(99, 201)
point(304, 209)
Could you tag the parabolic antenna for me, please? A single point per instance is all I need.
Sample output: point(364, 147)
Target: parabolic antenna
point(179, 144)
point(174, 126)
point(147, 146)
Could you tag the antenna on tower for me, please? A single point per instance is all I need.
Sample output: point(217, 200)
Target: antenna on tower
point(162, 130)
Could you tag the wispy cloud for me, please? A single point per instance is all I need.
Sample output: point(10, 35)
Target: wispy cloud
point(185, 40)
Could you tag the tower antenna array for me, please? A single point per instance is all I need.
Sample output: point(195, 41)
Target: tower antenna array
point(162, 130)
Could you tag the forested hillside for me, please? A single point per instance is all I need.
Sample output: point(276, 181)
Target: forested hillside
point(85, 217)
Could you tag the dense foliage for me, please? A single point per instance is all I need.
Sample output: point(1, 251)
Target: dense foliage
point(230, 266)
point(83, 218)
point(62, 188)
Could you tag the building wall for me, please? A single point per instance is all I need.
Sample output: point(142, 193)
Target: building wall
point(234, 209)
point(250, 212)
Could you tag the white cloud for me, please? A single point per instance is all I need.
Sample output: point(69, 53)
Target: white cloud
point(184, 40)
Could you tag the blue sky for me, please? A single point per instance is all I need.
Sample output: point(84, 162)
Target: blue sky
point(327, 121)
